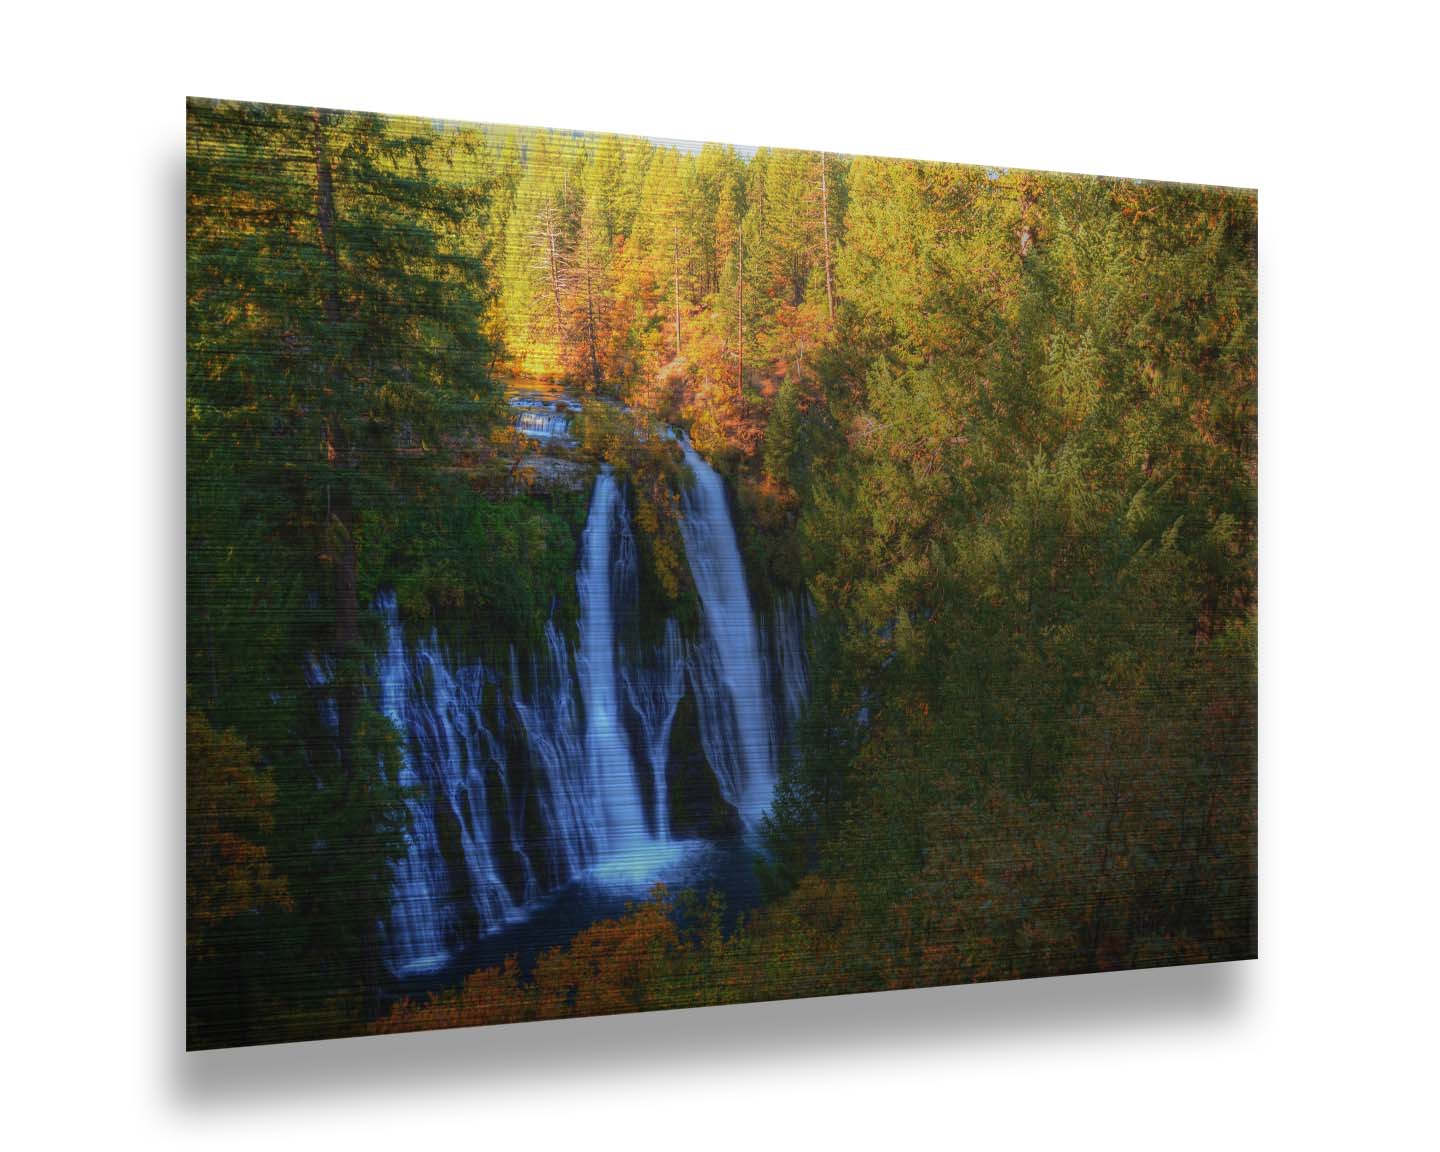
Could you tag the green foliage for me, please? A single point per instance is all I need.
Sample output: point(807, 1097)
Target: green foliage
point(493, 568)
point(1000, 426)
point(337, 347)
point(1036, 543)
point(642, 454)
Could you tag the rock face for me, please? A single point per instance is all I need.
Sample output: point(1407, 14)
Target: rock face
point(697, 806)
point(589, 753)
point(541, 415)
point(554, 473)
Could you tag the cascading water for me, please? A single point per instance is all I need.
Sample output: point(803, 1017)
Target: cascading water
point(610, 768)
point(653, 689)
point(554, 740)
point(443, 769)
point(542, 420)
point(555, 765)
point(652, 680)
point(727, 669)
point(790, 614)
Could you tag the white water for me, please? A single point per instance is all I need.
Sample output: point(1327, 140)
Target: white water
point(737, 723)
point(443, 766)
point(549, 715)
point(790, 615)
point(654, 691)
point(611, 773)
point(542, 420)
point(553, 765)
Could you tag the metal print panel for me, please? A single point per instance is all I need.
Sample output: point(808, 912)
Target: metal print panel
point(628, 575)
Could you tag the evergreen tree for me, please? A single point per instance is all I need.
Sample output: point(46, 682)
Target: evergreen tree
point(336, 328)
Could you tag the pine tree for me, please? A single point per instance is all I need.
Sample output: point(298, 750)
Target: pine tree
point(336, 343)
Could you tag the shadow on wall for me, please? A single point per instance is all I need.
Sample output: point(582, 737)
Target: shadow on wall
point(708, 1040)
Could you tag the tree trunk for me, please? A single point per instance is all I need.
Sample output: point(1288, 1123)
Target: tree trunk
point(1026, 232)
point(553, 270)
point(590, 315)
point(740, 322)
point(325, 220)
point(340, 526)
point(676, 236)
point(825, 222)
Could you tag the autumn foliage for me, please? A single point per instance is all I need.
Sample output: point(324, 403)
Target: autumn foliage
point(998, 428)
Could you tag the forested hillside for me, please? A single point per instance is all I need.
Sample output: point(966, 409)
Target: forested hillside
point(998, 426)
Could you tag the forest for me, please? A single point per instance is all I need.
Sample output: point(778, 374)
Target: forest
point(988, 442)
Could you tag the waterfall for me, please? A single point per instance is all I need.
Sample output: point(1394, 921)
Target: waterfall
point(443, 767)
point(611, 773)
point(542, 420)
point(790, 615)
point(526, 774)
point(554, 739)
point(730, 677)
point(653, 679)
point(653, 689)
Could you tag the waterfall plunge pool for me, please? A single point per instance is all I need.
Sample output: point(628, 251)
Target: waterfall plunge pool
point(600, 893)
point(554, 805)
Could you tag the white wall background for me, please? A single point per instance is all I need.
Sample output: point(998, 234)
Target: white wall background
point(1329, 1038)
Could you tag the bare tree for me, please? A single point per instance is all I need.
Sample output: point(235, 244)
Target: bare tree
point(587, 250)
point(676, 238)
